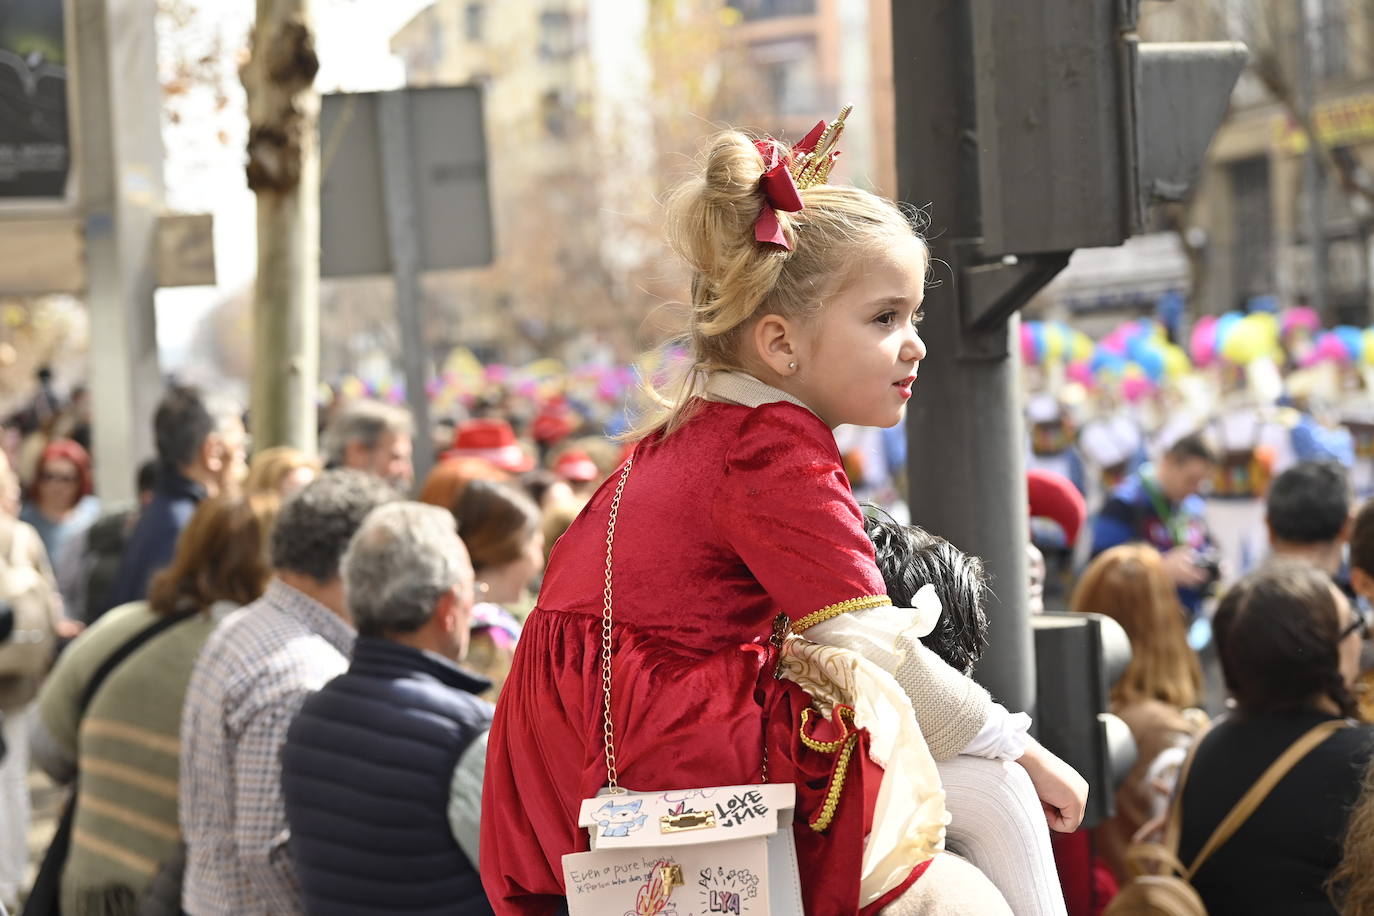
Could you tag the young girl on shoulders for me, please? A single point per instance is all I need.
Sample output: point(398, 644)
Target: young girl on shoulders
point(733, 526)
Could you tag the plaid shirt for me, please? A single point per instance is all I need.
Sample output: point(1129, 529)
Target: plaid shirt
point(248, 684)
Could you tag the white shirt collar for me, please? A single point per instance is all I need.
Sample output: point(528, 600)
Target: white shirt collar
point(743, 389)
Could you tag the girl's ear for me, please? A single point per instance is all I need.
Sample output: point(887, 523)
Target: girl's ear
point(1361, 582)
point(776, 344)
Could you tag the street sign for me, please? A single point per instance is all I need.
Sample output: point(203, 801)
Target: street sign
point(35, 136)
point(448, 169)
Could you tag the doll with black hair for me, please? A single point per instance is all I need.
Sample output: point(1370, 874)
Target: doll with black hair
point(995, 818)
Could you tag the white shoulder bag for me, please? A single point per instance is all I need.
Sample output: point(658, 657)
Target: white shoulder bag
point(685, 852)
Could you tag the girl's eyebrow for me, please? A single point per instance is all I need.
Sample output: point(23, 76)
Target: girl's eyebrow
point(889, 300)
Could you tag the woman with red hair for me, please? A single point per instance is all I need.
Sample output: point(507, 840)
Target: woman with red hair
point(59, 502)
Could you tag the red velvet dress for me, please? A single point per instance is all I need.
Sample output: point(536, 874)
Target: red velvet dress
point(741, 515)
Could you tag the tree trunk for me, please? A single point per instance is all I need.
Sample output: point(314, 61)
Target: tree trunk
point(283, 170)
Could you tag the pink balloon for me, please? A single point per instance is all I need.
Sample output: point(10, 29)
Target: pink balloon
point(1027, 345)
point(1080, 372)
point(1133, 389)
point(1202, 345)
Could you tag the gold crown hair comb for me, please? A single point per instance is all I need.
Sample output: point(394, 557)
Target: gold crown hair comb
point(808, 165)
point(815, 155)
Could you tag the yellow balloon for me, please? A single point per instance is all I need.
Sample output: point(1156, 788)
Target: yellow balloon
point(1369, 346)
point(1268, 321)
point(1082, 349)
point(1054, 343)
point(462, 362)
point(1176, 363)
point(352, 388)
point(1246, 342)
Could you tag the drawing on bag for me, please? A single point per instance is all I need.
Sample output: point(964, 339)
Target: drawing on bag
point(731, 891)
point(620, 820)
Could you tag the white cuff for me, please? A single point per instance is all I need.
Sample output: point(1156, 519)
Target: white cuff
point(1003, 736)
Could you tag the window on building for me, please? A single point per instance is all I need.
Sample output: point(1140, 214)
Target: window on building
point(555, 108)
point(1252, 255)
point(767, 9)
point(556, 38)
point(787, 71)
point(475, 21)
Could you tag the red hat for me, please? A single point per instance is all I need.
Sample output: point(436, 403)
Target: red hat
point(576, 466)
point(1053, 496)
point(493, 440)
point(554, 423)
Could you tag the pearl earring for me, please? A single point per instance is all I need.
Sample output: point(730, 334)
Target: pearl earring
point(791, 365)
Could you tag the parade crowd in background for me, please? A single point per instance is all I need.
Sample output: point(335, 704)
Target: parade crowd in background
point(1203, 496)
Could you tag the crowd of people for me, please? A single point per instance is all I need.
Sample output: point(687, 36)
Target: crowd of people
point(287, 683)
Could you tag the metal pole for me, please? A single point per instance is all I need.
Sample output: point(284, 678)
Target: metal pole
point(120, 168)
point(965, 462)
point(398, 182)
point(1314, 176)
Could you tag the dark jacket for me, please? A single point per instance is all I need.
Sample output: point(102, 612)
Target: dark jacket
point(154, 538)
point(1280, 858)
point(366, 775)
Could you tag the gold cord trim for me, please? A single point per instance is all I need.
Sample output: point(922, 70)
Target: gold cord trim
point(825, 747)
point(843, 607)
point(832, 797)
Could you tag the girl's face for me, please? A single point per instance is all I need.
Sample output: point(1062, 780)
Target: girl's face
point(857, 360)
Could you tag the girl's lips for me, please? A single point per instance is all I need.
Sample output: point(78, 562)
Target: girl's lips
point(904, 386)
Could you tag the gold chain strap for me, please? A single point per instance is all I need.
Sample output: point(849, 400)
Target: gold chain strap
point(609, 732)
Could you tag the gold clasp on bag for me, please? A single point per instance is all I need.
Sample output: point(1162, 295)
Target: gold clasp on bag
point(671, 876)
point(687, 820)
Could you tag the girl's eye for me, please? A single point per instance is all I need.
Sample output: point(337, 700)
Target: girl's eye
point(886, 318)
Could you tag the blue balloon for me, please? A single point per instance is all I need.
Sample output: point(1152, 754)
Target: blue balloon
point(1353, 340)
point(1152, 361)
point(1224, 325)
point(1108, 361)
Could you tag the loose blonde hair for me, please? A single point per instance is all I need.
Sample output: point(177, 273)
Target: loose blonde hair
point(1130, 585)
point(271, 466)
point(736, 279)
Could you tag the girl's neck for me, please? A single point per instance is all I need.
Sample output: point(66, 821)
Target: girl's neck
point(53, 512)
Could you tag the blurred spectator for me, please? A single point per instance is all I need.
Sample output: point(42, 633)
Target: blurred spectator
point(1308, 514)
point(373, 437)
point(131, 724)
point(1055, 499)
point(87, 566)
point(547, 489)
point(1159, 504)
point(492, 440)
point(60, 504)
point(1352, 884)
point(200, 449)
point(1289, 645)
point(501, 528)
point(1162, 681)
point(577, 468)
point(1362, 582)
point(280, 471)
point(404, 709)
point(27, 580)
point(249, 682)
point(446, 482)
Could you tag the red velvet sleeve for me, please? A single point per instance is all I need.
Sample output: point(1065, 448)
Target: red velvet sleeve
point(787, 510)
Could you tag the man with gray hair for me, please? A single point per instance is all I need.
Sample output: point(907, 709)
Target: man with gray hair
point(376, 758)
point(373, 437)
point(248, 683)
point(201, 451)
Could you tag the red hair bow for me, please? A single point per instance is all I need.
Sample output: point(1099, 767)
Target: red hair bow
point(779, 193)
point(779, 186)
